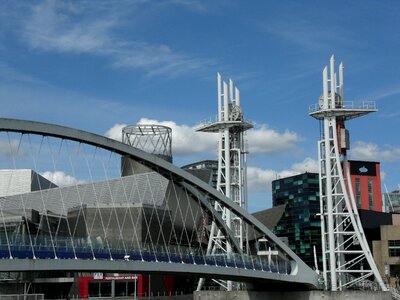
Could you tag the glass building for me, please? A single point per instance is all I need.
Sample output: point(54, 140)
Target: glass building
point(300, 223)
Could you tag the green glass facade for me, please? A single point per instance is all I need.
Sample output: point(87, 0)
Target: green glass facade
point(300, 223)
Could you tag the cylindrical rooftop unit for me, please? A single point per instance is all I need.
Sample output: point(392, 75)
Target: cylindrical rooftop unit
point(153, 139)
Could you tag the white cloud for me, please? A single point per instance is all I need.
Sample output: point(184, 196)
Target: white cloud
point(115, 132)
point(263, 139)
point(369, 151)
point(260, 179)
point(307, 165)
point(51, 29)
point(60, 178)
point(89, 29)
point(186, 140)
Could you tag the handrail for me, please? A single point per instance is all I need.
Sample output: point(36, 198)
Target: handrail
point(365, 104)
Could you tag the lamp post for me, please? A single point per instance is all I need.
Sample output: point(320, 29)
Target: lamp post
point(387, 274)
point(135, 292)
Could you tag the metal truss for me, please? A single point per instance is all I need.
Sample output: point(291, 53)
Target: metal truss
point(347, 259)
point(231, 181)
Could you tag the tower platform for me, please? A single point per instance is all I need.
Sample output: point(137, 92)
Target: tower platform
point(219, 125)
point(349, 110)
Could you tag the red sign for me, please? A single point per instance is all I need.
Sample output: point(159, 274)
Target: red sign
point(120, 278)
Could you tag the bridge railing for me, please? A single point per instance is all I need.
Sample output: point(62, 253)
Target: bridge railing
point(365, 104)
point(22, 297)
point(186, 255)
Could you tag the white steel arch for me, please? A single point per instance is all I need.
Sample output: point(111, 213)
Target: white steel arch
point(347, 259)
point(293, 268)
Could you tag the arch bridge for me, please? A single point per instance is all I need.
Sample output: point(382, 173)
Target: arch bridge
point(65, 205)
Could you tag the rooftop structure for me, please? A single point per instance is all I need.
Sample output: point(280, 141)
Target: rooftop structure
point(154, 139)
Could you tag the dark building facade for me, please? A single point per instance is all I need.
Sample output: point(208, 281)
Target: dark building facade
point(206, 170)
point(300, 222)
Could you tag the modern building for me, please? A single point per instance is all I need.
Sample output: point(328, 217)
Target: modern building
point(366, 184)
point(300, 222)
point(19, 181)
point(386, 246)
point(206, 170)
point(128, 211)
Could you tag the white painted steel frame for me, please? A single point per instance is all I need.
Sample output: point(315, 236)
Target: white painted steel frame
point(340, 223)
point(231, 179)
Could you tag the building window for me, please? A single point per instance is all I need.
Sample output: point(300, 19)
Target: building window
point(358, 193)
point(394, 248)
point(370, 194)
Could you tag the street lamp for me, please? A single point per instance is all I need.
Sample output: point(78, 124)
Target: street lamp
point(134, 285)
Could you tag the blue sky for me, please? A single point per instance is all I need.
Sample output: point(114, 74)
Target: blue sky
point(96, 65)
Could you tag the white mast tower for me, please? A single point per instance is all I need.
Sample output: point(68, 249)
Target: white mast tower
point(347, 259)
point(232, 168)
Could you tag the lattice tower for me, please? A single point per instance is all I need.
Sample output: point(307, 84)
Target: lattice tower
point(230, 125)
point(347, 259)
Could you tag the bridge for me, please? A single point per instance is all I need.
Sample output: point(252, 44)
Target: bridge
point(155, 218)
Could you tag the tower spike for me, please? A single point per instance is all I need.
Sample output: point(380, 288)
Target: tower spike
point(226, 102)
point(237, 96)
point(219, 83)
point(341, 68)
point(332, 83)
point(231, 95)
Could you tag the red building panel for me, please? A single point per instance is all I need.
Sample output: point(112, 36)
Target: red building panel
point(366, 183)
